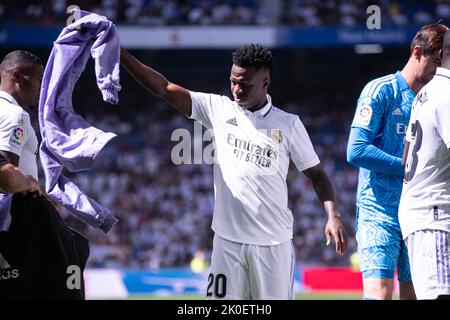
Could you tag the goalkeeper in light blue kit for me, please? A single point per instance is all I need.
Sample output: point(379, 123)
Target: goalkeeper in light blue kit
point(375, 146)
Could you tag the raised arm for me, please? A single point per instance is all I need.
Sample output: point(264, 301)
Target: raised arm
point(327, 195)
point(156, 83)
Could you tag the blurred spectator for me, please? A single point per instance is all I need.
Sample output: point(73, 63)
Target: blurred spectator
point(199, 263)
point(396, 14)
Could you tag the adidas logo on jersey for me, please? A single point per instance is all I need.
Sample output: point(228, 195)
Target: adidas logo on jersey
point(397, 112)
point(5, 270)
point(232, 121)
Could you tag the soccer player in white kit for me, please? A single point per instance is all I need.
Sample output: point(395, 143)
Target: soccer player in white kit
point(253, 254)
point(424, 211)
point(21, 75)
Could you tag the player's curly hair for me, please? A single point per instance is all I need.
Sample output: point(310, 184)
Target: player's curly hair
point(253, 55)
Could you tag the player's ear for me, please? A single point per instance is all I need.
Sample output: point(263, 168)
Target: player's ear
point(16, 75)
point(417, 52)
point(440, 54)
point(266, 83)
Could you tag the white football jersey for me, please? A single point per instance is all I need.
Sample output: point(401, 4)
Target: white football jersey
point(425, 202)
point(17, 135)
point(252, 155)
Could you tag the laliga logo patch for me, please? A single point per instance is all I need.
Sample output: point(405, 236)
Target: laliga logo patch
point(366, 112)
point(17, 136)
point(364, 115)
point(276, 136)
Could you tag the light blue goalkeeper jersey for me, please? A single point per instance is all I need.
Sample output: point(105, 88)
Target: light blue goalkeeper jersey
point(376, 146)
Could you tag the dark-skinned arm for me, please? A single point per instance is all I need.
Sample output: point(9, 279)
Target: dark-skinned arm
point(153, 81)
point(327, 195)
point(12, 180)
point(10, 157)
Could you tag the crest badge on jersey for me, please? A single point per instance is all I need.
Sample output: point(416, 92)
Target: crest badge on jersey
point(17, 136)
point(364, 115)
point(277, 136)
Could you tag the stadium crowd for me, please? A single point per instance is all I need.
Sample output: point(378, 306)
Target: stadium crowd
point(307, 13)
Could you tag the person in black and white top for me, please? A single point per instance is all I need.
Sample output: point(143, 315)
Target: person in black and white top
point(34, 239)
point(424, 211)
point(253, 256)
point(21, 75)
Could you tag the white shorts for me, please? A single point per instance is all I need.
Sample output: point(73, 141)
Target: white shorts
point(429, 258)
point(243, 271)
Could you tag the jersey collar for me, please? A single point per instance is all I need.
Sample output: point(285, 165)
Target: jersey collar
point(261, 112)
point(443, 72)
point(402, 84)
point(6, 96)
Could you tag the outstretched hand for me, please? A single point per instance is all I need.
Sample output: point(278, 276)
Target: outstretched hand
point(335, 229)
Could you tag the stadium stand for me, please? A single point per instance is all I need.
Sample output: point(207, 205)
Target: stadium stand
point(307, 13)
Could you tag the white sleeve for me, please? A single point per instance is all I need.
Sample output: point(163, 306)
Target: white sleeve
point(442, 120)
point(204, 107)
point(15, 132)
point(300, 147)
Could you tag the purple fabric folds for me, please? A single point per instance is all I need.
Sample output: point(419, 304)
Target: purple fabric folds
point(68, 140)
